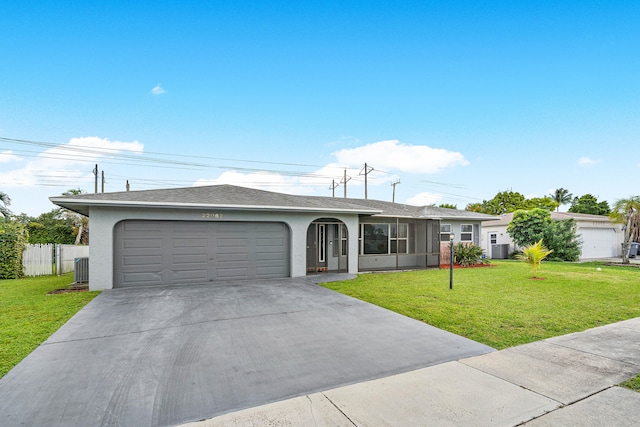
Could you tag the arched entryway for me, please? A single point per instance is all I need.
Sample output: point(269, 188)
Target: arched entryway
point(327, 246)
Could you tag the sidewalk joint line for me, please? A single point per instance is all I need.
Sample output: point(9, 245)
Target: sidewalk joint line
point(341, 411)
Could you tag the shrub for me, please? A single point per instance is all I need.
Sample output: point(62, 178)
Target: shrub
point(466, 255)
point(13, 239)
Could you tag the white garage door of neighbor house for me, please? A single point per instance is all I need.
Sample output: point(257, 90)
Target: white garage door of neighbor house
point(598, 243)
point(148, 253)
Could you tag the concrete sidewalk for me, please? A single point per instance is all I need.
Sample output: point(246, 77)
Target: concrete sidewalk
point(567, 380)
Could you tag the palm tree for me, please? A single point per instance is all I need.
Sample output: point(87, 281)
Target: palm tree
point(81, 222)
point(6, 201)
point(627, 212)
point(533, 255)
point(561, 196)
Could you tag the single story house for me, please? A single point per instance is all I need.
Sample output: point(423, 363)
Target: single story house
point(601, 238)
point(225, 232)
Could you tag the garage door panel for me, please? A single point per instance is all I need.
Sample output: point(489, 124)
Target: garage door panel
point(143, 260)
point(183, 259)
point(173, 252)
point(133, 226)
point(141, 279)
point(190, 276)
point(190, 242)
point(147, 243)
point(232, 273)
point(232, 242)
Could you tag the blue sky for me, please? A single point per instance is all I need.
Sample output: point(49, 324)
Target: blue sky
point(457, 100)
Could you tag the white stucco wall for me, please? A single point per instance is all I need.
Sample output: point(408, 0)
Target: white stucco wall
point(104, 219)
point(611, 247)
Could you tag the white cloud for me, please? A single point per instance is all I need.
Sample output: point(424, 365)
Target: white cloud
point(157, 90)
point(392, 155)
point(8, 157)
point(586, 161)
point(387, 157)
point(260, 180)
point(70, 162)
point(424, 199)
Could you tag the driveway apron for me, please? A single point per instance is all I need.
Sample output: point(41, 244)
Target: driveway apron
point(169, 355)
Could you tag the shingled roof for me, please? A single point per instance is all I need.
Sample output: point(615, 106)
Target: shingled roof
point(235, 197)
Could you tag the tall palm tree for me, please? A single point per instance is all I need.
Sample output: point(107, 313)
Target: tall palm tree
point(6, 201)
point(561, 196)
point(627, 212)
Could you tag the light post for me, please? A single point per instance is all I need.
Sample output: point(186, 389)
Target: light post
point(451, 237)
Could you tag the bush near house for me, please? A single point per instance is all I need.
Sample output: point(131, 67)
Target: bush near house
point(13, 239)
point(468, 254)
point(528, 227)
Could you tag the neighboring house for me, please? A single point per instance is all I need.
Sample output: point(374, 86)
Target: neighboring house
point(601, 238)
point(225, 232)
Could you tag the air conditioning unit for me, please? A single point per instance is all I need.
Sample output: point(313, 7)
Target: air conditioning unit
point(81, 270)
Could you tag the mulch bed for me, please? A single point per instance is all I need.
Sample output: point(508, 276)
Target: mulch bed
point(74, 287)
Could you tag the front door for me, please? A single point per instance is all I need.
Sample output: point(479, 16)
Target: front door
point(327, 247)
point(317, 248)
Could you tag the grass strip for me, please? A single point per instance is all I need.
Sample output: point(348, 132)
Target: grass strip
point(28, 315)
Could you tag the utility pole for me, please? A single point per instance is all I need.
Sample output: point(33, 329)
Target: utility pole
point(365, 171)
point(103, 181)
point(333, 187)
point(393, 184)
point(95, 172)
point(344, 181)
point(127, 186)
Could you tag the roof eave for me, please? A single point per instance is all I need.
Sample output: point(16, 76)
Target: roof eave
point(83, 206)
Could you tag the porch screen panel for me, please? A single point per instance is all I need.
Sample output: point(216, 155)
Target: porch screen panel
point(376, 239)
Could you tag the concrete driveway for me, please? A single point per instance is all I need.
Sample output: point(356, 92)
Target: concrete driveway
point(168, 355)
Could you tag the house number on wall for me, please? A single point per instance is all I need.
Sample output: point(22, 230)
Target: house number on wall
point(212, 215)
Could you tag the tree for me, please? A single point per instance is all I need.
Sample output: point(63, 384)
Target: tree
point(589, 204)
point(533, 254)
point(504, 202)
point(561, 196)
point(627, 212)
point(50, 227)
point(448, 206)
point(6, 201)
point(541, 202)
point(510, 201)
point(473, 207)
point(528, 227)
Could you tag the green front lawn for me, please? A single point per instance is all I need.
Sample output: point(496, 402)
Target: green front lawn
point(28, 316)
point(501, 306)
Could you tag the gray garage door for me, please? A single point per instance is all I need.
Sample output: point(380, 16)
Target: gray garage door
point(148, 253)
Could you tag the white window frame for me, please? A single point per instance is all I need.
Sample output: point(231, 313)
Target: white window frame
point(464, 234)
point(405, 238)
point(445, 236)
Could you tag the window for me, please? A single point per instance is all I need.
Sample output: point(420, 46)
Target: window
point(399, 238)
point(321, 245)
point(493, 238)
point(445, 232)
point(381, 239)
point(375, 238)
point(466, 232)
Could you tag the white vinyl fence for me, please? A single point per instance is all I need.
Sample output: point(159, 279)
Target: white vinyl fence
point(40, 260)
